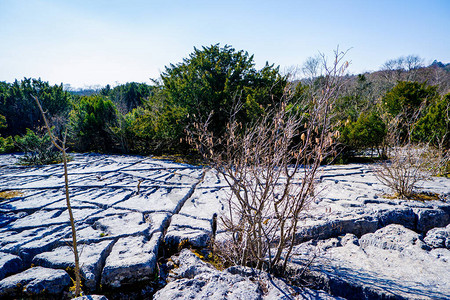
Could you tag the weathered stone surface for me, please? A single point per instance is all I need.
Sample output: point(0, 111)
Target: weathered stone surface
point(12, 240)
point(50, 217)
point(7, 217)
point(392, 263)
point(430, 218)
point(28, 250)
point(156, 199)
point(397, 215)
point(438, 237)
point(183, 228)
point(392, 237)
point(195, 279)
point(91, 297)
point(349, 203)
point(132, 223)
point(132, 259)
point(92, 258)
point(35, 281)
point(32, 200)
point(9, 264)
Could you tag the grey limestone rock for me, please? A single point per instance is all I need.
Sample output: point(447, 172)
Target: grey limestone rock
point(9, 264)
point(35, 281)
point(195, 279)
point(438, 237)
point(349, 239)
point(397, 215)
point(91, 297)
point(92, 258)
point(132, 259)
point(430, 218)
point(391, 263)
point(392, 237)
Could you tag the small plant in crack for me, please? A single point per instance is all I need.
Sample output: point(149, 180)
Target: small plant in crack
point(139, 186)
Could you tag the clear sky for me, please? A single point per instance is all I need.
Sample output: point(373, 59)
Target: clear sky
point(116, 41)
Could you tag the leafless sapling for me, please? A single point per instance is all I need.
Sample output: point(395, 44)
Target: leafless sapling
point(61, 146)
point(271, 168)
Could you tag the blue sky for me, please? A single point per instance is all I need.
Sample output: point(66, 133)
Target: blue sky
point(112, 41)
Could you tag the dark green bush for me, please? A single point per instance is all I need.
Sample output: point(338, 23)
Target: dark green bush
point(212, 79)
point(406, 97)
point(128, 96)
point(367, 132)
point(406, 103)
point(434, 125)
point(90, 123)
point(20, 109)
point(152, 128)
point(38, 149)
point(6, 144)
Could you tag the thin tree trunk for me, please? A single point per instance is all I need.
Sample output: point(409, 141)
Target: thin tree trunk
point(62, 147)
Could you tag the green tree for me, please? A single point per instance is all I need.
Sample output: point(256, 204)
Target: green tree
point(407, 97)
point(368, 131)
point(405, 103)
point(212, 78)
point(434, 125)
point(153, 127)
point(6, 144)
point(38, 149)
point(128, 96)
point(90, 122)
point(19, 109)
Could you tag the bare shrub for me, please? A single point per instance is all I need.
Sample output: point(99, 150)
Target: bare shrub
point(404, 170)
point(410, 163)
point(61, 146)
point(271, 167)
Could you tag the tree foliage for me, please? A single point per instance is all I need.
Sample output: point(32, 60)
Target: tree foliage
point(213, 78)
point(368, 131)
point(407, 97)
point(434, 125)
point(37, 148)
point(90, 122)
point(405, 104)
point(19, 109)
point(128, 96)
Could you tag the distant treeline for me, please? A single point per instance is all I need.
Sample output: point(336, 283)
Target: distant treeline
point(404, 96)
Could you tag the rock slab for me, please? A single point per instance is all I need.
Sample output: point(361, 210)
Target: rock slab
point(391, 263)
point(195, 279)
point(35, 281)
point(92, 258)
point(132, 260)
point(9, 264)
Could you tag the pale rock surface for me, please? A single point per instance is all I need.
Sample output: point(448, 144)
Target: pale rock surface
point(195, 279)
point(132, 259)
point(91, 297)
point(35, 281)
point(92, 258)
point(180, 200)
point(392, 263)
point(9, 264)
point(438, 237)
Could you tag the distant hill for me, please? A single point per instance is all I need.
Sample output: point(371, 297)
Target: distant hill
point(438, 64)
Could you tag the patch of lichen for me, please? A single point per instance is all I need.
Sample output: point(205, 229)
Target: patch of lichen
point(426, 196)
point(72, 288)
point(212, 258)
point(195, 160)
point(6, 195)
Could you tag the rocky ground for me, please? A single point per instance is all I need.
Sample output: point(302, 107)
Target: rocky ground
point(131, 211)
